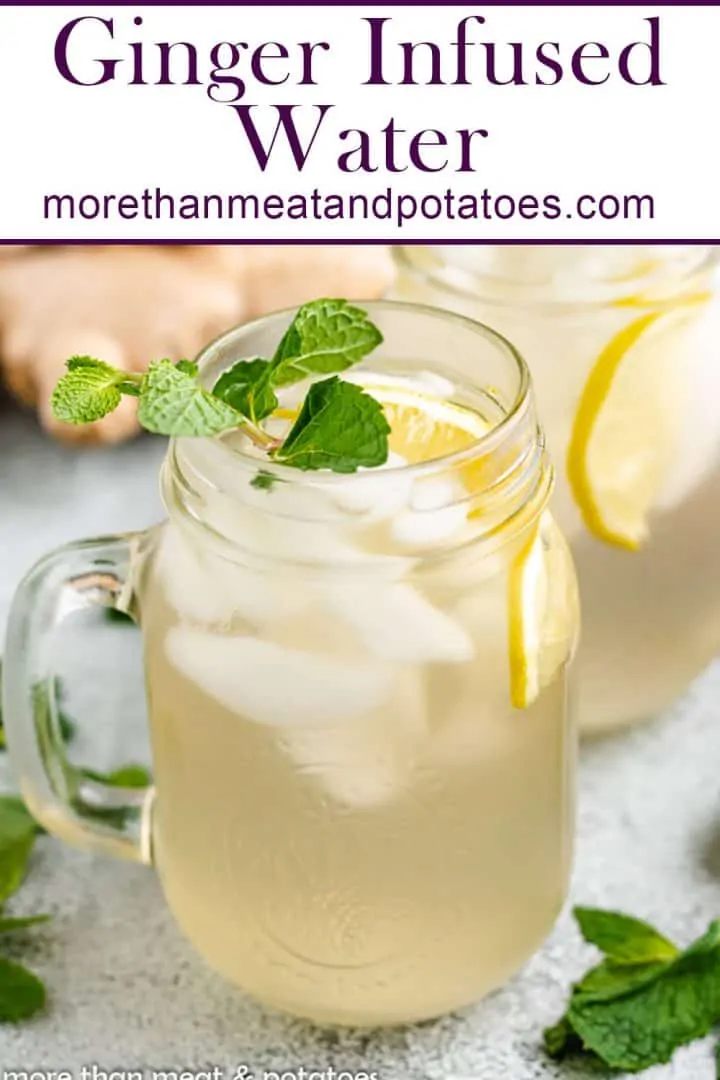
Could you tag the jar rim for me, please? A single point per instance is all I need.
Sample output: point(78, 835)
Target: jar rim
point(476, 286)
point(514, 414)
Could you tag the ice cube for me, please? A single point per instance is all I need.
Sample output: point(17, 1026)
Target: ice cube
point(369, 492)
point(396, 622)
point(211, 589)
point(371, 759)
point(273, 529)
point(472, 718)
point(272, 684)
point(437, 512)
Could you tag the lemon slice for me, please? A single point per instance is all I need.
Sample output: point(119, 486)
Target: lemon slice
point(627, 426)
point(424, 428)
point(543, 613)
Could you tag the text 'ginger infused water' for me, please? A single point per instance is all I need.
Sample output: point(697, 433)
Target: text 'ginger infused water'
point(363, 748)
point(623, 344)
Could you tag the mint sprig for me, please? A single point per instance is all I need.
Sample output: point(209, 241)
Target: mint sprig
point(339, 426)
point(645, 999)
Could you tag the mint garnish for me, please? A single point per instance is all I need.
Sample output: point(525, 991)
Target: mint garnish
point(339, 427)
point(247, 387)
point(646, 998)
point(91, 390)
point(325, 337)
point(172, 400)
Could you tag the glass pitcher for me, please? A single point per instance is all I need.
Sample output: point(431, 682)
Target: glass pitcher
point(623, 346)
point(363, 748)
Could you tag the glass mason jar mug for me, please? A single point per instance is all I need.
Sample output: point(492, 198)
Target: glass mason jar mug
point(358, 686)
point(622, 344)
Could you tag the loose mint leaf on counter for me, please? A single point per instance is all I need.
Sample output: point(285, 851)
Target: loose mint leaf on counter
point(22, 994)
point(632, 1015)
point(561, 1040)
point(340, 427)
point(326, 336)
point(173, 403)
point(16, 822)
point(608, 980)
point(14, 860)
point(10, 925)
point(622, 938)
point(18, 830)
point(246, 386)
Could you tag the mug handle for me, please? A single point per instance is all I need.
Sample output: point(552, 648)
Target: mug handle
point(86, 812)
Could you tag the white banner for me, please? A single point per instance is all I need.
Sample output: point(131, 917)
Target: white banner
point(369, 122)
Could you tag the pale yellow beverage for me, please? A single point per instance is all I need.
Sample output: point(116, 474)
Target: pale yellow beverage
point(359, 689)
point(356, 823)
point(623, 344)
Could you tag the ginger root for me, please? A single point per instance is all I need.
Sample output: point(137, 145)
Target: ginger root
point(132, 304)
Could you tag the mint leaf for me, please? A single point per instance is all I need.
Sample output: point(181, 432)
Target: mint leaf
point(22, 994)
point(114, 615)
point(340, 427)
point(608, 981)
point(624, 939)
point(16, 822)
point(645, 1027)
point(561, 1039)
point(264, 481)
point(18, 830)
point(173, 403)
point(633, 1016)
point(129, 776)
point(9, 925)
point(88, 392)
point(189, 367)
point(247, 388)
point(326, 336)
point(13, 866)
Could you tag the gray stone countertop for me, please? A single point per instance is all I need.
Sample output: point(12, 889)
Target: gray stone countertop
point(127, 992)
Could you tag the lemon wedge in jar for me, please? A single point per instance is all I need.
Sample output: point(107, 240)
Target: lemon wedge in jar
point(423, 428)
point(543, 613)
point(627, 426)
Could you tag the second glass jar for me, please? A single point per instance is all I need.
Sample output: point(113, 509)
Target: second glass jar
point(622, 343)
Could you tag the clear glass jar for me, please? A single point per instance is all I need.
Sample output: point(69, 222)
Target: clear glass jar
point(351, 819)
point(651, 616)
